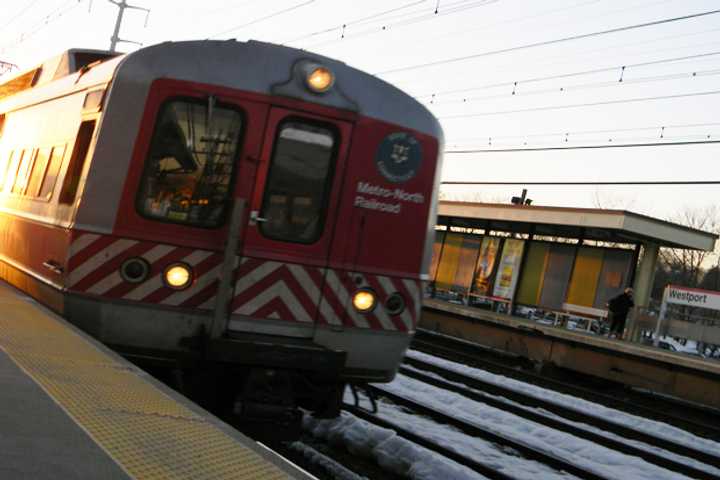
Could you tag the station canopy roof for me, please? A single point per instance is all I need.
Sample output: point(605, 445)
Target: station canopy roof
point(616, 226)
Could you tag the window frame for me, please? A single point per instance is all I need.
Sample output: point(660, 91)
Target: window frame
point(199, 100)
point(329, 179)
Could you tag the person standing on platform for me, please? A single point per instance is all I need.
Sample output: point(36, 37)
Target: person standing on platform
point(618, 308)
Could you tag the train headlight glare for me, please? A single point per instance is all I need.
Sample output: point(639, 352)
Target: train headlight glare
point(364, 301)
point(178, 276)
point(320, 79)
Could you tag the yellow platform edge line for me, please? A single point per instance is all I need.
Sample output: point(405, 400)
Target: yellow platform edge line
point(146, 432)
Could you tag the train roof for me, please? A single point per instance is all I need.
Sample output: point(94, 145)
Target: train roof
point(251, 66)
point(68, 62)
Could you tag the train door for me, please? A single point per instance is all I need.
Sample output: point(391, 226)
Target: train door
point(292, 215)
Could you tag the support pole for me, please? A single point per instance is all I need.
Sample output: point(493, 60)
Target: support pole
point(225, 285)
point(643, 283)
point(122, 5)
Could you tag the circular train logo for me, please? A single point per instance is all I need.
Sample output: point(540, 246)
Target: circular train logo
point(398, 157)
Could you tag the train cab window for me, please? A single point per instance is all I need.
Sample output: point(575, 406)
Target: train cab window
point(298, 183)
point(191, 163)
point(51, 172)
point(38, 172)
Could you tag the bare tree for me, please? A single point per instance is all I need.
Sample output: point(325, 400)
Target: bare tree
point(608, 202)
point(687, 267)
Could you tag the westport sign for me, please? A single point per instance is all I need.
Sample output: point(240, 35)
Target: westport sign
point(692, 297)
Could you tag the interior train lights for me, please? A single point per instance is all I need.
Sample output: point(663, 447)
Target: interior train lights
point(364, 300)
point(178, 276)
point(319, 79)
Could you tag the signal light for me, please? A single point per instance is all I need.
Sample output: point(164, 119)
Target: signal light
point(178, 276)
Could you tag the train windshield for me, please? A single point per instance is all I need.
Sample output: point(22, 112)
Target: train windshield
point(189, 169)
point(298, 184)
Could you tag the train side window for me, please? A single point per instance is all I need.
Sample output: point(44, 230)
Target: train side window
point(21, 177)
point(51, 172)
point(190, 167)
point(77, 162)
point(38, 172)
point(12, 169)
point(5, 169)
point(299, 180)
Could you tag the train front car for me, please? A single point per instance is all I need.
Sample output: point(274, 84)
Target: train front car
point(274, 213)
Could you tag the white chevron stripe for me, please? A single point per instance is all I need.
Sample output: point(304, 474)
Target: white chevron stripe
point(82, 242)
point(312, 290)
point(343, 297)
point(255, 276)
point(115, 279)
point(277, 290)
point(390, 288)
point(414, 290)
point(91, 264)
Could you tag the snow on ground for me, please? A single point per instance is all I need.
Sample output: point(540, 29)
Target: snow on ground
point(389, 451)
point(636, 443)
point(581, 452)
point(651, 427)
point(331, 466)
point(507, 461)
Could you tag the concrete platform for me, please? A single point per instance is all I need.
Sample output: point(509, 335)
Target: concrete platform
point(72, 409)
point(683, 376)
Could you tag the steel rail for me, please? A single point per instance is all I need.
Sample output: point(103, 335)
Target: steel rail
point(528, 451)
point(480, 468)
point(707, 429)
point(556, 424)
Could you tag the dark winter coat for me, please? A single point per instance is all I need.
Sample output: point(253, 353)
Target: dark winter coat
point(621, 305)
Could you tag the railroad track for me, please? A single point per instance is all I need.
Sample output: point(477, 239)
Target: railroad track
point(477, 431)
point(699, 420)
point(566, 419)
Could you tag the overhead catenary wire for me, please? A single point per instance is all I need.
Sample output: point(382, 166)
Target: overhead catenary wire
point(517, 92)
point(19, 14)
point(579, 105)
point(266, 17)
point(547, 42)
point(419, 16)
point(567, 133)
point(581, 147)
point(589, 182)
point(560, 76)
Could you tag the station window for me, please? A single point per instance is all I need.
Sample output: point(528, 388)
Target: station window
point(51, 172)
point(298, 184)
point(38, 172)
point(191, 163)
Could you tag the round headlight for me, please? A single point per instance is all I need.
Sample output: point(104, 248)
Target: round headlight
point(135, 270)
point(395, 304)
point(364, 301)
point(178, 276)
point(320, 79)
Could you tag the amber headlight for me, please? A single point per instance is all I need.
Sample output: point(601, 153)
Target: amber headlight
point(364, 300)
point(178, 276)
point(319, 79)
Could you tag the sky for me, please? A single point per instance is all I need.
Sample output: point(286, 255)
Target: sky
point(473, 64)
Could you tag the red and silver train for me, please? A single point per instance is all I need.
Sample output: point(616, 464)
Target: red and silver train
point(249, 207)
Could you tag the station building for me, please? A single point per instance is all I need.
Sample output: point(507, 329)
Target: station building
point(508, 276)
